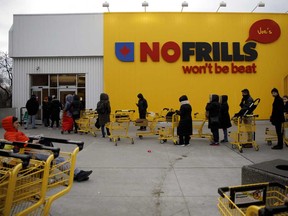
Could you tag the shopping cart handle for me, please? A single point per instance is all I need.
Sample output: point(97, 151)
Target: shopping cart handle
point(45, 140)
point(25, 158)
point(221, 191)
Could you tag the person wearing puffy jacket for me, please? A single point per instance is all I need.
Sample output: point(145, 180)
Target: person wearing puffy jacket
point(12, 134)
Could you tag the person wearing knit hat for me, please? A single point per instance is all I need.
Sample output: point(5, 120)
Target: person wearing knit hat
point(277, 117)
point(184, 129)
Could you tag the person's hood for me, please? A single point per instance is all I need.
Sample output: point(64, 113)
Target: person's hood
point(7, 124)
point(69, 98)
point(140, 96)
point(215, 98)
point(104, 96)
point(183, 98)
point(224, 98)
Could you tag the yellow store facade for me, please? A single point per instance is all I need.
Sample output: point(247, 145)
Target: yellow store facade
point(166, 55)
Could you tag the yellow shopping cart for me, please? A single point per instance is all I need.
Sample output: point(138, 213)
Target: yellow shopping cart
point(86, 123)
point(27, 189)
point(119, 125)
point(8, 175)
point(61, 173)
point(262, 199)
point(151, 123)
point(245, 133)
point(198, 125)
point(169, 132)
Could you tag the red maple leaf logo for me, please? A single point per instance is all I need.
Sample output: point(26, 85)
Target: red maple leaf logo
point(124, 51)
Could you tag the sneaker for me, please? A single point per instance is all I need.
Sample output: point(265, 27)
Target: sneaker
point(224, 141)
point(215, 144)
point(82, 175)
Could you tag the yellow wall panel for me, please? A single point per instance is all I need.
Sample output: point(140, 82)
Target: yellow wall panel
point(162, 83)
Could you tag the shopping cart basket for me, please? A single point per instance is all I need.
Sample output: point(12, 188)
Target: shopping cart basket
point(28, 188)
point(62, 171)
point(168, 132)
point(262, 199)
point(86, 124)
point(8, 176)
point(198, 124)
point(245, 134)
point(119, 125)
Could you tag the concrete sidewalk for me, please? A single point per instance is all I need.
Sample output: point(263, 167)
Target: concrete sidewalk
point(128, 180)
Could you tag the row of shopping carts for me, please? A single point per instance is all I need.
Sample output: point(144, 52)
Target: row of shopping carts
point(32, 179)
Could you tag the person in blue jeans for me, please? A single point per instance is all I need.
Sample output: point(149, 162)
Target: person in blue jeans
point(32, 107)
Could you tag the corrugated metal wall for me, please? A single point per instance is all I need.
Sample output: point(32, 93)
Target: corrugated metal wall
point(92, 67)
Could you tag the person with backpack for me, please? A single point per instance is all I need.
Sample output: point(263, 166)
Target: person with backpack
point(103, 110)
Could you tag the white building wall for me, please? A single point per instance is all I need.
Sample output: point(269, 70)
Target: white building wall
point(92, 67)
point(50, 35)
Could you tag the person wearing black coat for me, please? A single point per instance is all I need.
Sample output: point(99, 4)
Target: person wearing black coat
point(46, 107)
point(184, 129)
point(103, 110)
point(76, 108)
point(277, 117)
point(32, 107)
point(142, 108)
point(213, 112)
point(56, 107)
point(225, 121)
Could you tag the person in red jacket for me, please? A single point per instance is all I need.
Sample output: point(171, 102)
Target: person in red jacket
point(12, 134)
point(11, 125)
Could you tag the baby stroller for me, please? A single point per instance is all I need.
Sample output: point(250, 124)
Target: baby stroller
point(67, 123)
point(245, 121)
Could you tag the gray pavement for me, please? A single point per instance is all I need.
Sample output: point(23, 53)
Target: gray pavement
point(128, 180)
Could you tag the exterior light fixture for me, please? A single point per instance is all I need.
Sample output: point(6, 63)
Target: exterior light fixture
point(145, 4)
point(106, 4)
point(222, 4)
point(260, 4)
point(184, 4)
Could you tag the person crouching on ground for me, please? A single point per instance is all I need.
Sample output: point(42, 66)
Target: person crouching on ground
point(184, 129)
point(12, 134)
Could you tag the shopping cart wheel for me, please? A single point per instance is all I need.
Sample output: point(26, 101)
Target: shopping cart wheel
point(256, 147)
point(116, 144)
point(269, 143)
point(240, 149)
point(62, 132)
point(140, 137)
point(132, 142)
point(175, 143)
point(118, 138)
point(110, 139)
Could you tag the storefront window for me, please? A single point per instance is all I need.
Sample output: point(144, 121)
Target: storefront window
point(81, 80)
point(53, 80)
point(67, 80)
point(39, 80)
